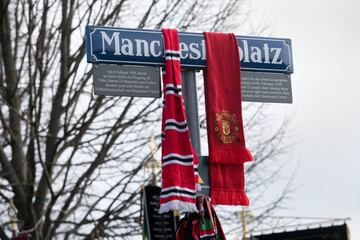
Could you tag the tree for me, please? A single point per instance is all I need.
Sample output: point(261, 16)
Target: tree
point(72, 163)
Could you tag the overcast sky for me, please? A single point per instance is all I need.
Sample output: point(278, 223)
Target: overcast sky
point(326, 93)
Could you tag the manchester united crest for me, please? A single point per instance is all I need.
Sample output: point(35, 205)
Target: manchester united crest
point(226, 127)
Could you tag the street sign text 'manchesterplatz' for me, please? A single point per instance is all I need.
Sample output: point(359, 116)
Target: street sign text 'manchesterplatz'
point(145, 47)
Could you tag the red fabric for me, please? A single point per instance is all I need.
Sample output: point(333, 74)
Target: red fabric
point(179, 161)
point(227, 150)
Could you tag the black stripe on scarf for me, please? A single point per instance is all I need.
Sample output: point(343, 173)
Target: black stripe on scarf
point(186, 160)
point(176, 90)
point(180, 126)
point(171, 54)
point(177, 191)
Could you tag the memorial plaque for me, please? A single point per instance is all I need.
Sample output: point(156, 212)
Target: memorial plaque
point(124, 80)
point(159, 226)
point(266, 87)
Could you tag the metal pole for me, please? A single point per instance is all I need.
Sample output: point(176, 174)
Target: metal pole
point(192, 113)
point(191, 107)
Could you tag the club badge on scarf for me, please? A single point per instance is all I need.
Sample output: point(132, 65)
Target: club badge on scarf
point(179, 161)
point(227, 150)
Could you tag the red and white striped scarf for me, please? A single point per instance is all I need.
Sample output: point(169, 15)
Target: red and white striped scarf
point(179, 161)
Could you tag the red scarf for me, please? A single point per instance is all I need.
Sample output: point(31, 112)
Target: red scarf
point(179, 161)
point(227, 150)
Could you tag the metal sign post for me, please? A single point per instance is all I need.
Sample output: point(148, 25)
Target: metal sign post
point(192, 115)
point(191, 108)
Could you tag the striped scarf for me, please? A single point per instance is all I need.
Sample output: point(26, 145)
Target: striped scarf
point(179, 161)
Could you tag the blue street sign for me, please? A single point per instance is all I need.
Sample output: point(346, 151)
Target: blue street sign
point(145, 47)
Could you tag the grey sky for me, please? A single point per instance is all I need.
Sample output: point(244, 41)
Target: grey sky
point(326, 92)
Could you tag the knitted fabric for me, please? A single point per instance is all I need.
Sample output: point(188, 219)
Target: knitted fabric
point(227, 150)
point(179, 161)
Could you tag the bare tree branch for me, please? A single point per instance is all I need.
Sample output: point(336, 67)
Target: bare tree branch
point(73, 163)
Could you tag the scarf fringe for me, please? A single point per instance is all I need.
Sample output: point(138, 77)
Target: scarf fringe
point(229, 197)
point(176, 205)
